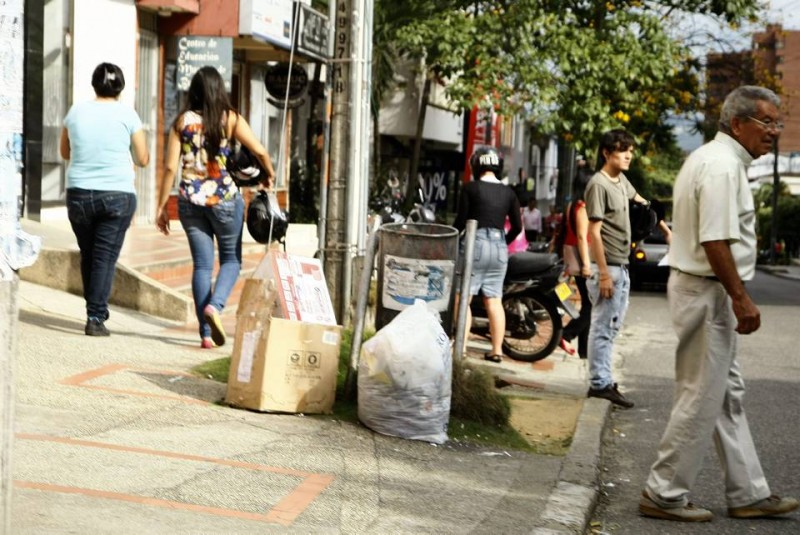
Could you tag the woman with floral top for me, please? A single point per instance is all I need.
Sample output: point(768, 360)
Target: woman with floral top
point(209, 203)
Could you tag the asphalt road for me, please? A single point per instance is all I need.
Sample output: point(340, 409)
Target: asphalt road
point(770, 360)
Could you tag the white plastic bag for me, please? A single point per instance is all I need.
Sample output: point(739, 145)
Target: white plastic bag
point(404, 377)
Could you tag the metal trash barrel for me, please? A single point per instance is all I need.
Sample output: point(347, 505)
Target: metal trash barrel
point(416, 261)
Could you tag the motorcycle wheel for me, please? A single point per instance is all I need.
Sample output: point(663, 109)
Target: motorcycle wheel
point(533, 326)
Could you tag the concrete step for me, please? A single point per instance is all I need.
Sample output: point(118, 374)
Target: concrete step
point(154, 272)
point(177, 274)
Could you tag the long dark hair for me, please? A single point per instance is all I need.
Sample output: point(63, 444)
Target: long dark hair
point(207, 96)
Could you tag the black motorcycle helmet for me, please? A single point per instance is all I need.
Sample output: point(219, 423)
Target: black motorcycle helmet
point(486, 159)
point(263, 216)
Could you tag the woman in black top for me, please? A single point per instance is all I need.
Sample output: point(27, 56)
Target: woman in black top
point(489, 202)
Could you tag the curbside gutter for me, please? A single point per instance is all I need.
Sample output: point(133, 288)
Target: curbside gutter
point(571, 503)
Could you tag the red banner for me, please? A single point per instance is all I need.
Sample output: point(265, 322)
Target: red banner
point(483, 131)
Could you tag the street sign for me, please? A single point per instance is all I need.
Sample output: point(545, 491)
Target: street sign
point(278, 76)
point(312, 33)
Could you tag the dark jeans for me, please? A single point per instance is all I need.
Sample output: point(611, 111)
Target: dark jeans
point(580, 326)
point(204, 224)
point(99, 220)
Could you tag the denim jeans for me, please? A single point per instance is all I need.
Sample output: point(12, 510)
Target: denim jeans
point(489, 263)
point(99, 220)
point(607, 318)
point(204, 224)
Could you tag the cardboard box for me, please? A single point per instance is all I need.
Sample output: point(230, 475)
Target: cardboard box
point(302, 292)
point(279, 364)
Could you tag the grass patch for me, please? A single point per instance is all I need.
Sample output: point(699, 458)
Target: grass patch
point(479, 414)
point(498, 436)
point(214, 369)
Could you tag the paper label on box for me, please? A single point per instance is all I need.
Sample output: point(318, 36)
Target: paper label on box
point(330, 338)
point(249, 343)
point(408, 279)
point(304, 295)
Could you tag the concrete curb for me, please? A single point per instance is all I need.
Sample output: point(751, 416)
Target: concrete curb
point(571, 503)
point(60, 269)
point(791, 271)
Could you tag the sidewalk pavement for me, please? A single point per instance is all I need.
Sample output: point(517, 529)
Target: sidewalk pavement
point(791, 271)
point(113, 435)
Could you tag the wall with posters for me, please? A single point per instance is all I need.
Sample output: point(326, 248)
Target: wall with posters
point(12, 53)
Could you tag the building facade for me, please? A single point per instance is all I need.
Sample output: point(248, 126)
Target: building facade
point(773, 61)
point(159, 44)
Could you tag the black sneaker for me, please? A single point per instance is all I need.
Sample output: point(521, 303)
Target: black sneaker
point(95, 327)
point(612, 394)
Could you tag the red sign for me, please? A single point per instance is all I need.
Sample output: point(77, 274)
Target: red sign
point(483, 131)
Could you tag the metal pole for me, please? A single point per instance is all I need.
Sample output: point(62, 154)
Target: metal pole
point(358, 149)
point(361, 309)
point(351, 214)
point(776, 182)
point(366, 106)
point(463, 301)
point(326, 136)
point(335, 244)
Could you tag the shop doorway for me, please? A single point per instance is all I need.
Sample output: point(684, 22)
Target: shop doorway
point(147, 108)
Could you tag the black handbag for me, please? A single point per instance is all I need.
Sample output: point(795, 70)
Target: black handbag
point(244, 168)
point(643, 220)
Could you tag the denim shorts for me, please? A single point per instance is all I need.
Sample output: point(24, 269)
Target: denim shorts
point(489, 263)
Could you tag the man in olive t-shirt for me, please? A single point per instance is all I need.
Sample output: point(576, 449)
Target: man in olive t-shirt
point(607, 198)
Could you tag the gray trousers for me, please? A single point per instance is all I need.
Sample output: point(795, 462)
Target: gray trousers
point(707, 401)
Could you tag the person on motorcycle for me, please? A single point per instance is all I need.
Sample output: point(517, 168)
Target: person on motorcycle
point(489, 202)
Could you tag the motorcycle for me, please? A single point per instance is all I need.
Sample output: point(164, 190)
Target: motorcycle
point(387, 208)
point(535, 297)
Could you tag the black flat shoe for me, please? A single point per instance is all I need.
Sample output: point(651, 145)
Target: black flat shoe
point(493, 358)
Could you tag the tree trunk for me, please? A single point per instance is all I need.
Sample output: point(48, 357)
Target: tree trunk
point(413, 171)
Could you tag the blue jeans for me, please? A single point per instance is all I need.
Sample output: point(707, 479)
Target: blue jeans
point(99, 220)
point(607, 318)
point(202, 225)
point(489, 263)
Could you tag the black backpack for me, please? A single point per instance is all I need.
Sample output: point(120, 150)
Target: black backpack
point(643, 220)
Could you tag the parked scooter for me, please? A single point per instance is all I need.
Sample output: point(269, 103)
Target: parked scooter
point(535, 296)
point(387, 208)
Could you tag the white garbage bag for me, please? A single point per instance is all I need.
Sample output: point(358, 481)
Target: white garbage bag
point(404, 377)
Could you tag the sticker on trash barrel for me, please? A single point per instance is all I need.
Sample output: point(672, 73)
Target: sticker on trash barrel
point(407, 279)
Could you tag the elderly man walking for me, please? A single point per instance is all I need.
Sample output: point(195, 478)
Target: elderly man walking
point(713, 252)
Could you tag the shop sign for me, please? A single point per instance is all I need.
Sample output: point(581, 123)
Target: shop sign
point(312, 34)
point(193, 52)
point(277, 77)
point(267, 20)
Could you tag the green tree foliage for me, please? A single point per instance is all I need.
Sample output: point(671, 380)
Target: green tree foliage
point(578, 67)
